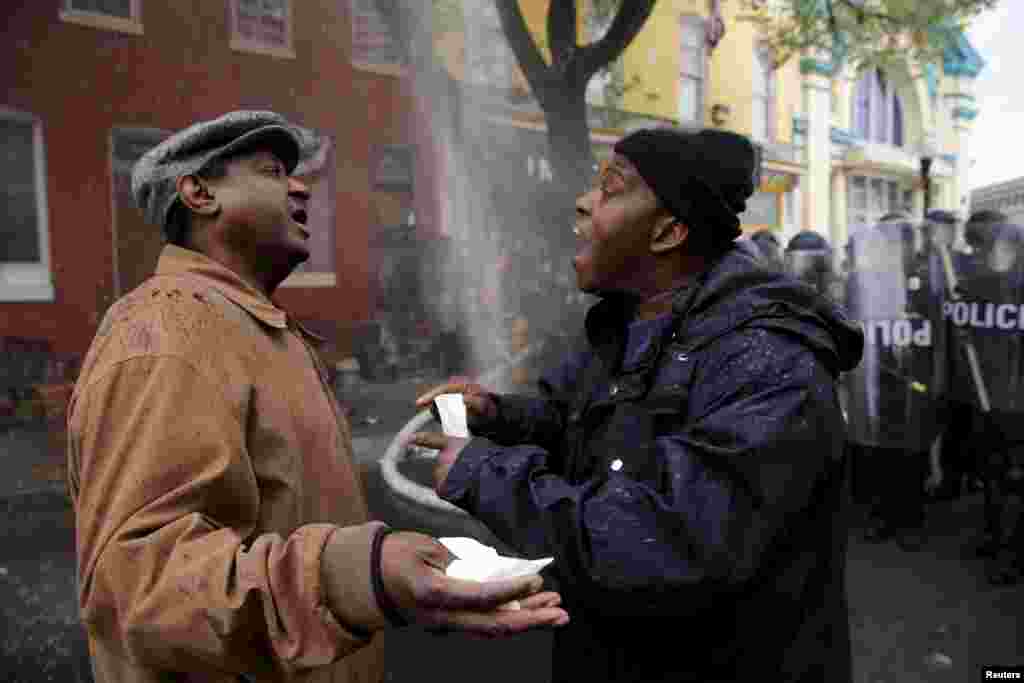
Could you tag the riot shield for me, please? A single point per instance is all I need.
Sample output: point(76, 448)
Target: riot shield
point(892, 395)
point(985, 313)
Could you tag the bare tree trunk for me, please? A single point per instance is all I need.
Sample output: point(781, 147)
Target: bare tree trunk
point(560, 87)
point(569, 140)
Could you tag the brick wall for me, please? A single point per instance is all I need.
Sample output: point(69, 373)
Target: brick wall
point(82, 82)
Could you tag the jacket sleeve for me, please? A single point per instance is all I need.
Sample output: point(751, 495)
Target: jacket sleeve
point(762, 430)
point(171, 572)
point(538, 420)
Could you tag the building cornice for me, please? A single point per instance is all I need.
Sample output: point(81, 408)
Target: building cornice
point(960, 58)
point(873, 158)
point(965, 113)
point(843, 137)
point(962, 97)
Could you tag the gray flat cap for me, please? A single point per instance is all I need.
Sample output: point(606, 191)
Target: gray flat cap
point(188, 151)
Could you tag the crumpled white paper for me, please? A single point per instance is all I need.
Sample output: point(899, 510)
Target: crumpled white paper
point(479, 562)
point(452, 410)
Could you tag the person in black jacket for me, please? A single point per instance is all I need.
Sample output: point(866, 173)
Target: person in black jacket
point(685, 468)
point(989, 318)
point(808, 257)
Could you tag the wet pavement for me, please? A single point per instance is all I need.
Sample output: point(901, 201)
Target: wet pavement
point(927, 616)
point(931, 616)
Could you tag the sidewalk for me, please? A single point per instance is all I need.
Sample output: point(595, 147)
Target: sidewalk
point(377, 411)
point(906, 608)
point(31, 460)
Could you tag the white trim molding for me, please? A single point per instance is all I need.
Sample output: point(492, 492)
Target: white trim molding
point(105, 22)
point(242, 44)
point(20, 282)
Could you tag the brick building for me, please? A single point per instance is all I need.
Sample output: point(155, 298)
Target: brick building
point(89, 85)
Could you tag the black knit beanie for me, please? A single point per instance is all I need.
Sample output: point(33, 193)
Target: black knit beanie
point(703, 178)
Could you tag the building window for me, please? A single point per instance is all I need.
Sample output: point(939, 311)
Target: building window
point(877, 109)
point(262, 26)
point(764, 96)
point(111, 8)
point(24, 258)
point(374, 46)
point(489, 59)
point(114, 15)
point(871, 198)
point(692, 71)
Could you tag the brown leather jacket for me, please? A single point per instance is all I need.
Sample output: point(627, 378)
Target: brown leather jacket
point(210, 470)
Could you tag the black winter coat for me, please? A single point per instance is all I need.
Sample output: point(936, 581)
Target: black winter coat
point(687, 475)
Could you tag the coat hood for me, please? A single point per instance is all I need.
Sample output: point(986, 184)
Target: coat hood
point(737, 292)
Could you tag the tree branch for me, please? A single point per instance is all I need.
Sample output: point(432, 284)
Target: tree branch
point(631, 17)
point(537, 72)
point(862, 12)
point(561, 31)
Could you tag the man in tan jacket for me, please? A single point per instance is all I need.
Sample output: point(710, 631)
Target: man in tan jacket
point(222, 533)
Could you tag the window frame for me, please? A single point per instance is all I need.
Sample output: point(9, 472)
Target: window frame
point(31, 282)
point(766, 100)
point(362, 12)
point(877, 104)
point(240, 43)
point(698, 25)
point(99, 20)
point(891, 187)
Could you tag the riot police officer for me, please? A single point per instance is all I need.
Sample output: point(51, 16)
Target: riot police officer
point(986, 315)
point(808, 258)
point(892, 396)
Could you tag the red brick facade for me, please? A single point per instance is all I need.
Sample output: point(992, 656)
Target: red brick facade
point(82, 82)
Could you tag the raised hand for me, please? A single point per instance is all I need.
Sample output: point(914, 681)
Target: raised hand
point(480, 407)
point(413, 569)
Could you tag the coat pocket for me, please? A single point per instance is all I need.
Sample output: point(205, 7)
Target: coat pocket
point(668, 400)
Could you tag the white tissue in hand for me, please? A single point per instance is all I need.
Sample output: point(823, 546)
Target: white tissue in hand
point(479, 562)
point(452, 410)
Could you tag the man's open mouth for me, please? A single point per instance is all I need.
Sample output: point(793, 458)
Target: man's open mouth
point(300, 216)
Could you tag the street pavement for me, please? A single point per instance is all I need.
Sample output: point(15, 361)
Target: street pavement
point(915, 617)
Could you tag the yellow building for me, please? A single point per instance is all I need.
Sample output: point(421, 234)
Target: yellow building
point(840, 149)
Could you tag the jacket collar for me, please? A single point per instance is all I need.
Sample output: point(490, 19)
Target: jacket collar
point(175, 260)
point(607, 319)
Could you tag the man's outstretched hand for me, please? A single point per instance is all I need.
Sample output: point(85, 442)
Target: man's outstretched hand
point(480, 406)
point(450, 447)
point(413, 569)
